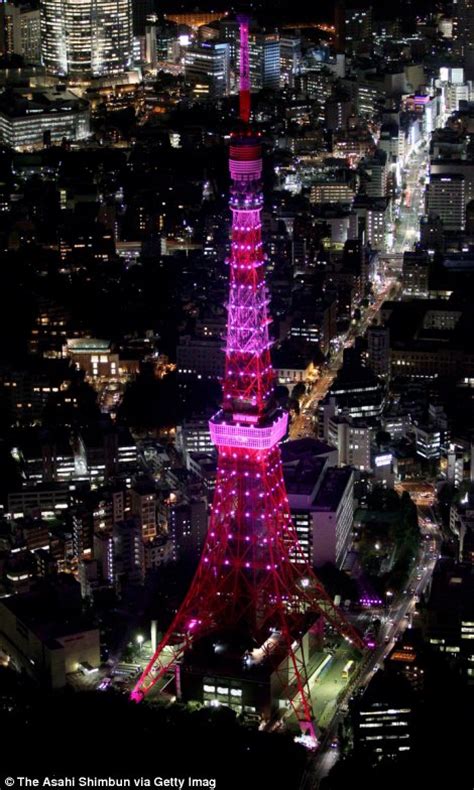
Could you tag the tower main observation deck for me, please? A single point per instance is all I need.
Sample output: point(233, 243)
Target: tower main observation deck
point(253, 575)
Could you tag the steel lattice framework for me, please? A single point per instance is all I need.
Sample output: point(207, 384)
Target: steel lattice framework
point(252, 572)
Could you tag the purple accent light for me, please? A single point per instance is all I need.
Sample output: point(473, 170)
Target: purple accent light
point(224, 434)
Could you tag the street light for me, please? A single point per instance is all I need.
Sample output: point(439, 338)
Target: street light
point(140, 640)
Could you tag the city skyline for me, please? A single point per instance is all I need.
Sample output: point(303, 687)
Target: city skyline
point(236, 393)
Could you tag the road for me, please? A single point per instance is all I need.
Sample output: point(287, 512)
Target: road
point(413, 201)
point(302, 424)
point(399, 616)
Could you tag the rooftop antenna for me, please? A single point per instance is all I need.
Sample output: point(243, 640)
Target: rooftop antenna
point(244, 87)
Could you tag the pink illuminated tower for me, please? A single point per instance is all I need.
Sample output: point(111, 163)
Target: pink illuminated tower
point(253, 574)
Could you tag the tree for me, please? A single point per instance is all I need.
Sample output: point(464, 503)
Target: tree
point(213, 739)
point(150, 403)
point(337, 582)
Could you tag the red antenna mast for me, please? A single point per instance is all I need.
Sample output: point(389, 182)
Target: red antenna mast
point(244, 90)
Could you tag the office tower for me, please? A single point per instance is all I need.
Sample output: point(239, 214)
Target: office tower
point(463, 34)
point(378, 349)
point(290, 59)
point(415, 274)
point(10, 43)
point(445, 198)
point(249, 579)
point(383, 719)
point(338, 110)
point(50, 117)
point(264, 61)
point(30, 35)
point(321, 499)
point(353, 25)
point(86, 38)
point(207, 67)
point(376, 170)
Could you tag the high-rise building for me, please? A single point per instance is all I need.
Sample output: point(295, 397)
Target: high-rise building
point(188, 525)
point(353, 440)
point(30, 35)
point(445, 198)
point(9, 30)
point(353, 25)
point(373, 214)
point(376, 170)
point(378, 349)
point(383, 719)
point(322, 508)
point(20, 32)
point(264, 52)
point(128, 553)
point(463, 33)
point(207, 67)
point(143, 507)
point(450, 166)
point(290, 59)
point(356, 392)
point(338, 110)
point(415, 273)
point(86, 38)
point(193, 436)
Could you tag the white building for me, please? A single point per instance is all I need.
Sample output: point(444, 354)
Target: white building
point(264, 55)
point(353, 442)
point(207, 66)
point(86, 38)
point(29, 120)
point(321, 499)
point(374, 212)
point(334, 513)
point(193, 436)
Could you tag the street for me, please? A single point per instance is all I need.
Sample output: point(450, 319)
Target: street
point(302, 424)
point(401, 612)
point(399, 616)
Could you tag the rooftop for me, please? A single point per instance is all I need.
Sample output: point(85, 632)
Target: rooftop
point(31, 103)
point(333, 488)
point(304, 448)
point(303, 477)
point(87, 345)
point(51, 612)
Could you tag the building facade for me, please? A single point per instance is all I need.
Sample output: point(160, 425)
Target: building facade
point(86, 38)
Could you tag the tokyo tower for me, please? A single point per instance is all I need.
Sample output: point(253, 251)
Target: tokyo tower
point(253, 575)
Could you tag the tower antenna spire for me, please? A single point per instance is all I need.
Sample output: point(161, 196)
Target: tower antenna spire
point(244, 78)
